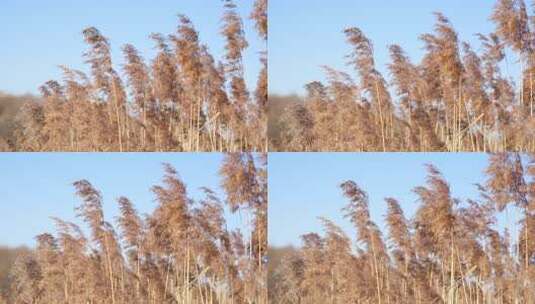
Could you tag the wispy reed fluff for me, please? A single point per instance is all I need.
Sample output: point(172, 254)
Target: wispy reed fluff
point(454, 99)
point(183, 252)
point(449, 251)
point(183, 99)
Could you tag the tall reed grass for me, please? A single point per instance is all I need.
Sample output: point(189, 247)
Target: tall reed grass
point(182, 252)
point(183, 99)
point(454, 99)
point(449, 251)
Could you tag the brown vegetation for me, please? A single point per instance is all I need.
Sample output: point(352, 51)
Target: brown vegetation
point(8, 257)
point(276, 255)
point(181, 253)
point(449, 252)
point(10, 106)
point(455, 99)
point(278, 130)
point(181, 100)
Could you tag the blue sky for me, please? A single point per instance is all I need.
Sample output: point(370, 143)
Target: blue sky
point(38, 186)
point(37, 36)
point(304, 186)
point(307, 34)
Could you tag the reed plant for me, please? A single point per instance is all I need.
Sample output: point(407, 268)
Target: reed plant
point(183, 252)
point(450, 251)
point(454, 99)
point(183, 99)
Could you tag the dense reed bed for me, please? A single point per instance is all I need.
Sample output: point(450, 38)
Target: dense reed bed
point(454, 99)
point(181, 253)
point(10, 105)
point(184, 99)
point(450, 251)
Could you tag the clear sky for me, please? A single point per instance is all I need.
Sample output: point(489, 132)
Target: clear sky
point(304, 186)
point(307, 34)
point(38, 186)
point(36, 36)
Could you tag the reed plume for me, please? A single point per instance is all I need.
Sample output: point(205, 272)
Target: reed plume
point(449, 251)
point(183, 252)
point(454, 99)
point(183, 99)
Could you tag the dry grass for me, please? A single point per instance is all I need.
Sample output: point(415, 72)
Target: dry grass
point(455, 99)
point(10, 106)
point(181, 100)
point(181, 253)
point(448, 252)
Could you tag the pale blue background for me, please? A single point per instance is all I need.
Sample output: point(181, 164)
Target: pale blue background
point(305, 186)
point(36, 186)
point(307, 34)
point(36, 36)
